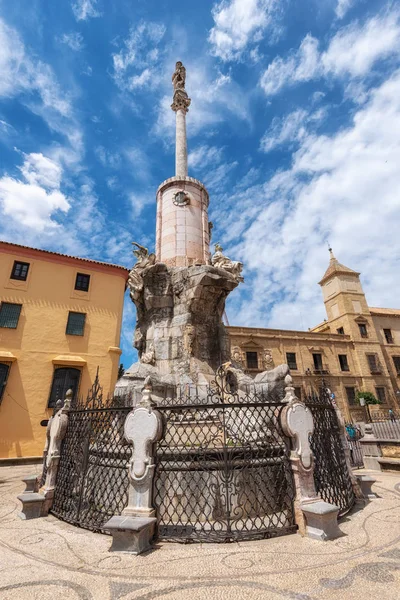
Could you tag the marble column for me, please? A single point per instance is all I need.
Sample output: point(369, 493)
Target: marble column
point(181, 165)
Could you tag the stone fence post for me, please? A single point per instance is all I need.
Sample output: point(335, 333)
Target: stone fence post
point(315, 518)
point(133, 531)
point(38, 503)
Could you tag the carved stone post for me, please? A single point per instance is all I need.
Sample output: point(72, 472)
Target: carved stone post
point(38, 503)
point(57, 428)
point(134, 529)
point(315, 518)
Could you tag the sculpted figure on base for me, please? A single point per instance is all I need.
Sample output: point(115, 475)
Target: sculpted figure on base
point(135, 279)
point(223, 262)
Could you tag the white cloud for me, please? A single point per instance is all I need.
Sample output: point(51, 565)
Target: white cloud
point(204, 156)
point(343, 6)
point(137, 64)
point(108, 158)
point(33, 202)
point(19, 73)
point(352, 52)
point(85, 9)
point(291, 128)
point(73, 40)
point(237, 24)
point(41, 170)
point(139, 201)
point(340, 187)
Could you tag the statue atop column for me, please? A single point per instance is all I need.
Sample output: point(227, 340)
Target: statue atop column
point(179, 76)
point(181, 100)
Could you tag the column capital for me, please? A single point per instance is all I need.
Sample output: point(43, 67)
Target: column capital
point(181, 101)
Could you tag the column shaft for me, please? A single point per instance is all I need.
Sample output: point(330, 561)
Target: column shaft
point(181, 166)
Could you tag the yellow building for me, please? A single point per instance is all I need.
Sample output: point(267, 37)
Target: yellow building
point(356, 349)
point(60, 319)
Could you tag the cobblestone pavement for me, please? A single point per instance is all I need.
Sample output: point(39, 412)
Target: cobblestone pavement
point(47, 559)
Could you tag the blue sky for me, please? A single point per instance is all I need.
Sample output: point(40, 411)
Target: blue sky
point(294, 128)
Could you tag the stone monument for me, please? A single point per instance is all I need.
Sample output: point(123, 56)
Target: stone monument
point(180, 291)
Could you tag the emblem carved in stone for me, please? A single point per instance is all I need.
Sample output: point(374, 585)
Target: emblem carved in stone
point(236, 356)
point(181, 198)
point(268, 360)
point(220, 261)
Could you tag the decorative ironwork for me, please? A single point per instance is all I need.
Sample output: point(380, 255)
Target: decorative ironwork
point(222, 469)
point(92, 480)
point(331, 476)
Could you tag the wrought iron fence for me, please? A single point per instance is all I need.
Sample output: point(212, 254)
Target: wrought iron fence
point(331, 476)
point(222, 470)
point(92, 480)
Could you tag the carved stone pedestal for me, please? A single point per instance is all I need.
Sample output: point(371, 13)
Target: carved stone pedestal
point(32, 504)
point(321, 519)
point(31, 483)
point(366, 482)
point(131, 534)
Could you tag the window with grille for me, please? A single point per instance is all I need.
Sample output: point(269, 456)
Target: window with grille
point(252, 360)
point(396, 362)
point(363, 330)
point(317, 358)
point(388, 336)
point(4, 369)
point(373, 363)
point(76, 323)
point(297, 392)
point(64, 379)
point(9, 315)
point(20, 271)
point(82, 282)
point(381, 394)
point(351, 395)
point(340, 330)
point(291, 360)
point(344, 365)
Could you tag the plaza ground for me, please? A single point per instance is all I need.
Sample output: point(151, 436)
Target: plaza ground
point(47, 559)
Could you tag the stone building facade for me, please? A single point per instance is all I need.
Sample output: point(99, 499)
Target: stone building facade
point(357, 348)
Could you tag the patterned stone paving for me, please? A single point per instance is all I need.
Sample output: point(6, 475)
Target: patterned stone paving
point(46, 558)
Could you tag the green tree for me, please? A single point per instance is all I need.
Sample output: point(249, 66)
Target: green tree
point(121, 370)
point(369, 398)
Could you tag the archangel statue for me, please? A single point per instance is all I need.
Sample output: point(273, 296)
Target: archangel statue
point(179, 76)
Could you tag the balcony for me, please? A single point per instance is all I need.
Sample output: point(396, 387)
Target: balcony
point(322, 371)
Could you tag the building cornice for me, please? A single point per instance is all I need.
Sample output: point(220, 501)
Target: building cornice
point(9, 247)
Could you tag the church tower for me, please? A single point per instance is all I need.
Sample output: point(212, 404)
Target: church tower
point(344, 298)
point(183, 231)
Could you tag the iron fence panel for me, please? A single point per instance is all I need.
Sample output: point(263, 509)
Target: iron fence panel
point(331, 476)
point(92, 480)
point(223, 472)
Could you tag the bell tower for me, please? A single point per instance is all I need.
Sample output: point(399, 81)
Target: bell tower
point(183, 233)
point(344, 298)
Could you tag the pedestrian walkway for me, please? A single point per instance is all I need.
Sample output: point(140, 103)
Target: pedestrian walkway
point(47, 559)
